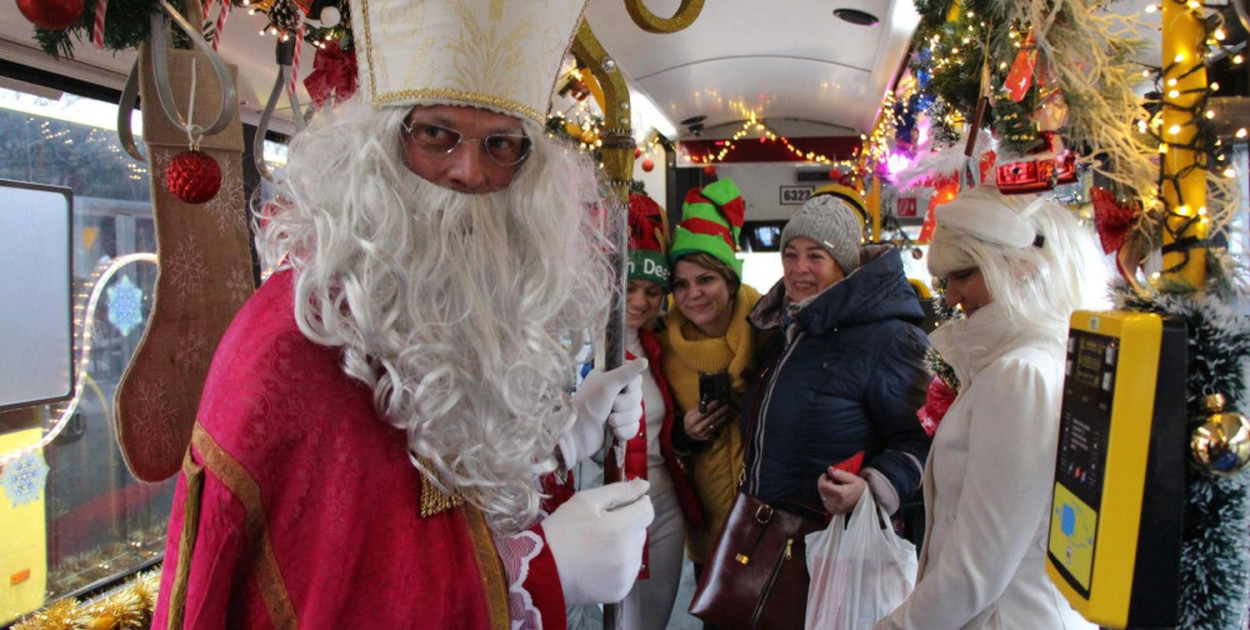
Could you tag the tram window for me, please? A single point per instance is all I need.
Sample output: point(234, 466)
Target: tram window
point(95, 522)
point(761, 236)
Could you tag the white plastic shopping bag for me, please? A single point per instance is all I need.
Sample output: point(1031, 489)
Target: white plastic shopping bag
point(860, 569)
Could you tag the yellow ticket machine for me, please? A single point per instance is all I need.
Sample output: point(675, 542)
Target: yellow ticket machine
point(1115, 528)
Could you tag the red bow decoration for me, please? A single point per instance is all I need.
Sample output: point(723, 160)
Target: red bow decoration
point(937, 400)
point(334, 73)
point(1113, 219)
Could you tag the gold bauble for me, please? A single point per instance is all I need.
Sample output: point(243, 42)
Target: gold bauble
point(1219, 441)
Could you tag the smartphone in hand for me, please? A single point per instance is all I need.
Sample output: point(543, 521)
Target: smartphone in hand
point(713, 387)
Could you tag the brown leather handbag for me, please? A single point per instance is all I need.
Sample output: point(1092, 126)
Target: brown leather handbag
point(757, 577)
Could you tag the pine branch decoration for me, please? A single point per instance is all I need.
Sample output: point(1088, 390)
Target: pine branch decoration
point(1215, 551)
point(126, 25)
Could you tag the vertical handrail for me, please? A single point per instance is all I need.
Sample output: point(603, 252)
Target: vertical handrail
point(618, 165)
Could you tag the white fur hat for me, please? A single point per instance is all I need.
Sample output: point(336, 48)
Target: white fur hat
point(990, 218)
point(501, 55)
point(981, 214)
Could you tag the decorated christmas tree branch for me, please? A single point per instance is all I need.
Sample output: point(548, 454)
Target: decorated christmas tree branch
point(1089, 54)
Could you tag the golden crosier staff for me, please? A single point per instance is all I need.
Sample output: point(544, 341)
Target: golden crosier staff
point(618, 165)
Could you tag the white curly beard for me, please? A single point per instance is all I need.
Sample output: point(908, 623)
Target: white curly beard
point(458, 310)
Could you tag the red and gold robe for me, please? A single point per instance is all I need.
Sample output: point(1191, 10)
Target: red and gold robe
point(299, 508)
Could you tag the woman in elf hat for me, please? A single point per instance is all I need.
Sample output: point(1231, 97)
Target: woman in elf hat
point(1017, 266)
point(650, 455)
point(708, 347)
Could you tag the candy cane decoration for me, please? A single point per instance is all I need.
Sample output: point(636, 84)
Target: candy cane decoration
point(221, 22)
point(299, 40)
point(97, 31)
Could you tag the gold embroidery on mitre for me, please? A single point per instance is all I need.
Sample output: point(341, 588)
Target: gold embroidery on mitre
point(433, 500)
point(503, 55)
point(460, 96)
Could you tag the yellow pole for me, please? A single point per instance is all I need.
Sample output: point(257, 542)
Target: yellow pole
point(1183, 34)
point(874, 209)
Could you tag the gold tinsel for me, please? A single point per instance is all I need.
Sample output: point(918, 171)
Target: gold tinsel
point(128, 608)
point(65, 614)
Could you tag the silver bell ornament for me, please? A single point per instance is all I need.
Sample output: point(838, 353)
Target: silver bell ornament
point(1219, 441)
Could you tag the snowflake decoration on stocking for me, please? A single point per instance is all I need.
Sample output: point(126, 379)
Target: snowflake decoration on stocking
point(185, 266)
point(24, 478)
point(226, 207)
point(191, 352)
point(155, 417)
point(125, 307)
point(240, 285)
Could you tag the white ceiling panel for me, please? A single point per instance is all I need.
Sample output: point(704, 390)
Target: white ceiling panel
point(726, 90)
point(791, 61)
point(782, 59)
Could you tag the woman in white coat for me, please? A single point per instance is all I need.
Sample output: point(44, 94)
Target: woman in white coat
point(1017, 266)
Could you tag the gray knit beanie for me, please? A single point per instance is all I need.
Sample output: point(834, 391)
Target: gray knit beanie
point(833, 224)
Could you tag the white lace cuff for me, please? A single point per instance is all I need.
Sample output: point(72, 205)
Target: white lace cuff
point(517, 552)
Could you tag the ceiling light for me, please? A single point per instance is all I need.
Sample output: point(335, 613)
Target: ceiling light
point(855, 16)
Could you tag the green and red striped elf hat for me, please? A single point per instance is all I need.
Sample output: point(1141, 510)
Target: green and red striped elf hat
point(711, 218)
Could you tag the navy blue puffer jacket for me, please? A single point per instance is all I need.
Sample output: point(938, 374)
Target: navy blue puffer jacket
point(846, 375)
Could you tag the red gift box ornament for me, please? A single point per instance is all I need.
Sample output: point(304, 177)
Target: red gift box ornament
point(1041, 169)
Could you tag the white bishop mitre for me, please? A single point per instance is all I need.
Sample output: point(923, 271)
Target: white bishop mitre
point(502, 55)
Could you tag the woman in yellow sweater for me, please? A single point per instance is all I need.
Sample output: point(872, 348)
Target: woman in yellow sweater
point(708, 347)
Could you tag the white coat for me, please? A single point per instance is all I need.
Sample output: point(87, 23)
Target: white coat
point(988, 484)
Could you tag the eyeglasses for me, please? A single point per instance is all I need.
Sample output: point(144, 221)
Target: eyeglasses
point(504, 149)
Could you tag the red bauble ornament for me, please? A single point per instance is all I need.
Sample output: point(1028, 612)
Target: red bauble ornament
point(53, 15)
point(193, 177)
point(647, 165)
point(709, 170)
point(637, 153)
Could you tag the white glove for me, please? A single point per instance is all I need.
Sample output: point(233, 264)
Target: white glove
point(614, 397)
point(596, 538)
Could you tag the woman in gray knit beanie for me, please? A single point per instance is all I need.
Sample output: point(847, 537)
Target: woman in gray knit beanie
point(834, 419)
point(825, 223)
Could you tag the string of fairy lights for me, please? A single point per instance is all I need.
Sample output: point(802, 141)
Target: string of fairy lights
point(1181, 127)
point(878, 143)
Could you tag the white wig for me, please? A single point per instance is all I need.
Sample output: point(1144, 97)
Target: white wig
point(456, 309)
point(1036, 259)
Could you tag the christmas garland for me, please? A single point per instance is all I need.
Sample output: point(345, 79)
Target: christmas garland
point(334, 24)
point(585, 136)
point(1215, 550)
point(1038, 69)
point(126, 25)
point(128, 608)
